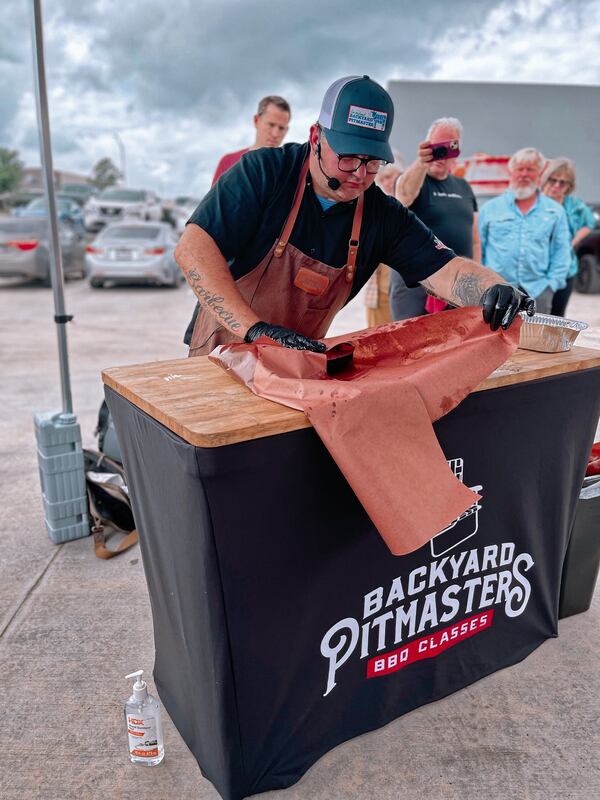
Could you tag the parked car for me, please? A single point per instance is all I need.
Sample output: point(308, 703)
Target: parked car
point(179, 210)
point(9, 201)
point(116, 204)
point(136, 252)
point(68, 210)
point(25, 248)
point(79, 192)
point(588, 256)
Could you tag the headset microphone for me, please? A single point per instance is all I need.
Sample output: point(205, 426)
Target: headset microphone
point(333, 183)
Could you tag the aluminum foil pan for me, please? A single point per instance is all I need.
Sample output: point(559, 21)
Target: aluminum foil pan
point(548, 334)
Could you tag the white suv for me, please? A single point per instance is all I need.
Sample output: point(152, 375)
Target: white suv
point(116, 204)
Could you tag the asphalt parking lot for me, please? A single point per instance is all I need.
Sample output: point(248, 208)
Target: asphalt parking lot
point(72, 626)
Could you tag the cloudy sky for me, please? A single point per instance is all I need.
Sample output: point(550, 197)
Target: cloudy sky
point(178, 80)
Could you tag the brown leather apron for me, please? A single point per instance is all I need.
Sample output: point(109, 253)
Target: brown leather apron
point(287, 287)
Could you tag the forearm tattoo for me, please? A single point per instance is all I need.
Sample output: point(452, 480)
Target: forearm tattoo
point(211, 301)
point(426, 284)
point(467, 290)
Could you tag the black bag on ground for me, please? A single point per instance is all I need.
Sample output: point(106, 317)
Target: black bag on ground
point(107, 435)
point(109, 504)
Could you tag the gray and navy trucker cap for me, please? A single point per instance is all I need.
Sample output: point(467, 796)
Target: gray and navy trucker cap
point(357, 116)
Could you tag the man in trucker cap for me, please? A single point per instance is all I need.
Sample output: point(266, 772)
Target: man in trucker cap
point(289, 235)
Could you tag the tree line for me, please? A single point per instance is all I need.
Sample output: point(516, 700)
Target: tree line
point(104, 172)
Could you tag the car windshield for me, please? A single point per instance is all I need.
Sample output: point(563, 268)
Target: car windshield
point(76, 188)
point(186, 201)
point(40, 202)
point(123, 195)
point(130, 232)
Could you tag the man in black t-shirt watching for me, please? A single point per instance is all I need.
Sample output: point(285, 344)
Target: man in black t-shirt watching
point(445, 204)
point(289, 234)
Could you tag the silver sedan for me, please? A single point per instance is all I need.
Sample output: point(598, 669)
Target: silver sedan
point(134, 252)
point(25, 248)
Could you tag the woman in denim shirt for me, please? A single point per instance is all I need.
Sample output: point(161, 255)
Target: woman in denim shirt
point(558, 182)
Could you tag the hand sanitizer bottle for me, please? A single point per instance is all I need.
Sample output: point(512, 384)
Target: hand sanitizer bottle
point(144, 729)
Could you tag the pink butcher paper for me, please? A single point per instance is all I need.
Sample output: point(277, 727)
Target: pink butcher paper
point(375, 417)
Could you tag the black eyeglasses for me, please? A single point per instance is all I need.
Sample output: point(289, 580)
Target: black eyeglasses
point(352, 163)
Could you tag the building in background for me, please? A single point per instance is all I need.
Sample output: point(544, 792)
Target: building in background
point(500, 118)
point(32, 179)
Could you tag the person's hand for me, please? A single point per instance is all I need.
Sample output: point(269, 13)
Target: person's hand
point(501, 303)
point(284, 336)
point(425, 153)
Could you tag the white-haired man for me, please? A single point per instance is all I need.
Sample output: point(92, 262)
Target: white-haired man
point(524, 234)
point(445, 203)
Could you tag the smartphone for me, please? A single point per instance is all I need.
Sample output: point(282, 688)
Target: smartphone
point(442, 150)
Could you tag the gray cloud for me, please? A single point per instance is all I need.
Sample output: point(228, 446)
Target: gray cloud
point(180, 79)
point(195, 55)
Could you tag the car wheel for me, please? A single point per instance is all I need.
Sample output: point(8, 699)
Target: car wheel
point(46, 280)
point(588, 277)
point(96, 283)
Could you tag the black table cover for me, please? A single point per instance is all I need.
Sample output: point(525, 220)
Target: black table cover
point(283, 625)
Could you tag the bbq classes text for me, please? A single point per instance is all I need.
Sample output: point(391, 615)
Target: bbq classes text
point(463, 588)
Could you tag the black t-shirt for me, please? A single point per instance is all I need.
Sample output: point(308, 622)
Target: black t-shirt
point(447, 207)
point(246, 209)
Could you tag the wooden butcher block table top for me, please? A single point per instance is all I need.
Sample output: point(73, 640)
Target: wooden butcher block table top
point(203, 405)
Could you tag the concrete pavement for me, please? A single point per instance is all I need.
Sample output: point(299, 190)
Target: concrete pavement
point(71, 626)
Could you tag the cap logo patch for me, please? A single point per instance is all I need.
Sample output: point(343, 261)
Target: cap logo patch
point(367, 118)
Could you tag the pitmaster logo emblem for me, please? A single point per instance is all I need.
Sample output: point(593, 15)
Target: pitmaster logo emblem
point(367, 118)
point(463, 527)
point(436, 605)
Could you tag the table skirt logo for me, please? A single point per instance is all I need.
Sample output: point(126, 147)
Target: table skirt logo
point(465, 526)
point(435, 607)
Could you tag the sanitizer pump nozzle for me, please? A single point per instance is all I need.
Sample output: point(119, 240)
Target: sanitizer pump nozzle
point(144, 729)
point(140, 687)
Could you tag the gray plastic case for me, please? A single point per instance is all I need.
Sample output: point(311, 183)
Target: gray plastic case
point(62, 476)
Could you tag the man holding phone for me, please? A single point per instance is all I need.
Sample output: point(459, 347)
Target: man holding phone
point(445, 203)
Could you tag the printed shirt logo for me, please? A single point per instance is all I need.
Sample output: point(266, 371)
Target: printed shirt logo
point(439, 245)
point(447, 194)
point(367, 118)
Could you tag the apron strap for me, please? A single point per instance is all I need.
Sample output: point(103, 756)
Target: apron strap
point(292, 216)
point(354, 242)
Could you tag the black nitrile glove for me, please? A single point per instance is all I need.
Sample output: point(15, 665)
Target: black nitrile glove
point(285, 336)
point(501, 304)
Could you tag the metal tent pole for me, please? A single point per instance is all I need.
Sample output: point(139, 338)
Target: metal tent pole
point(60, 455)
point(56, 269)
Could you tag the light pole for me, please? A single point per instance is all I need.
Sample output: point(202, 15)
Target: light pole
point(119, 141)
